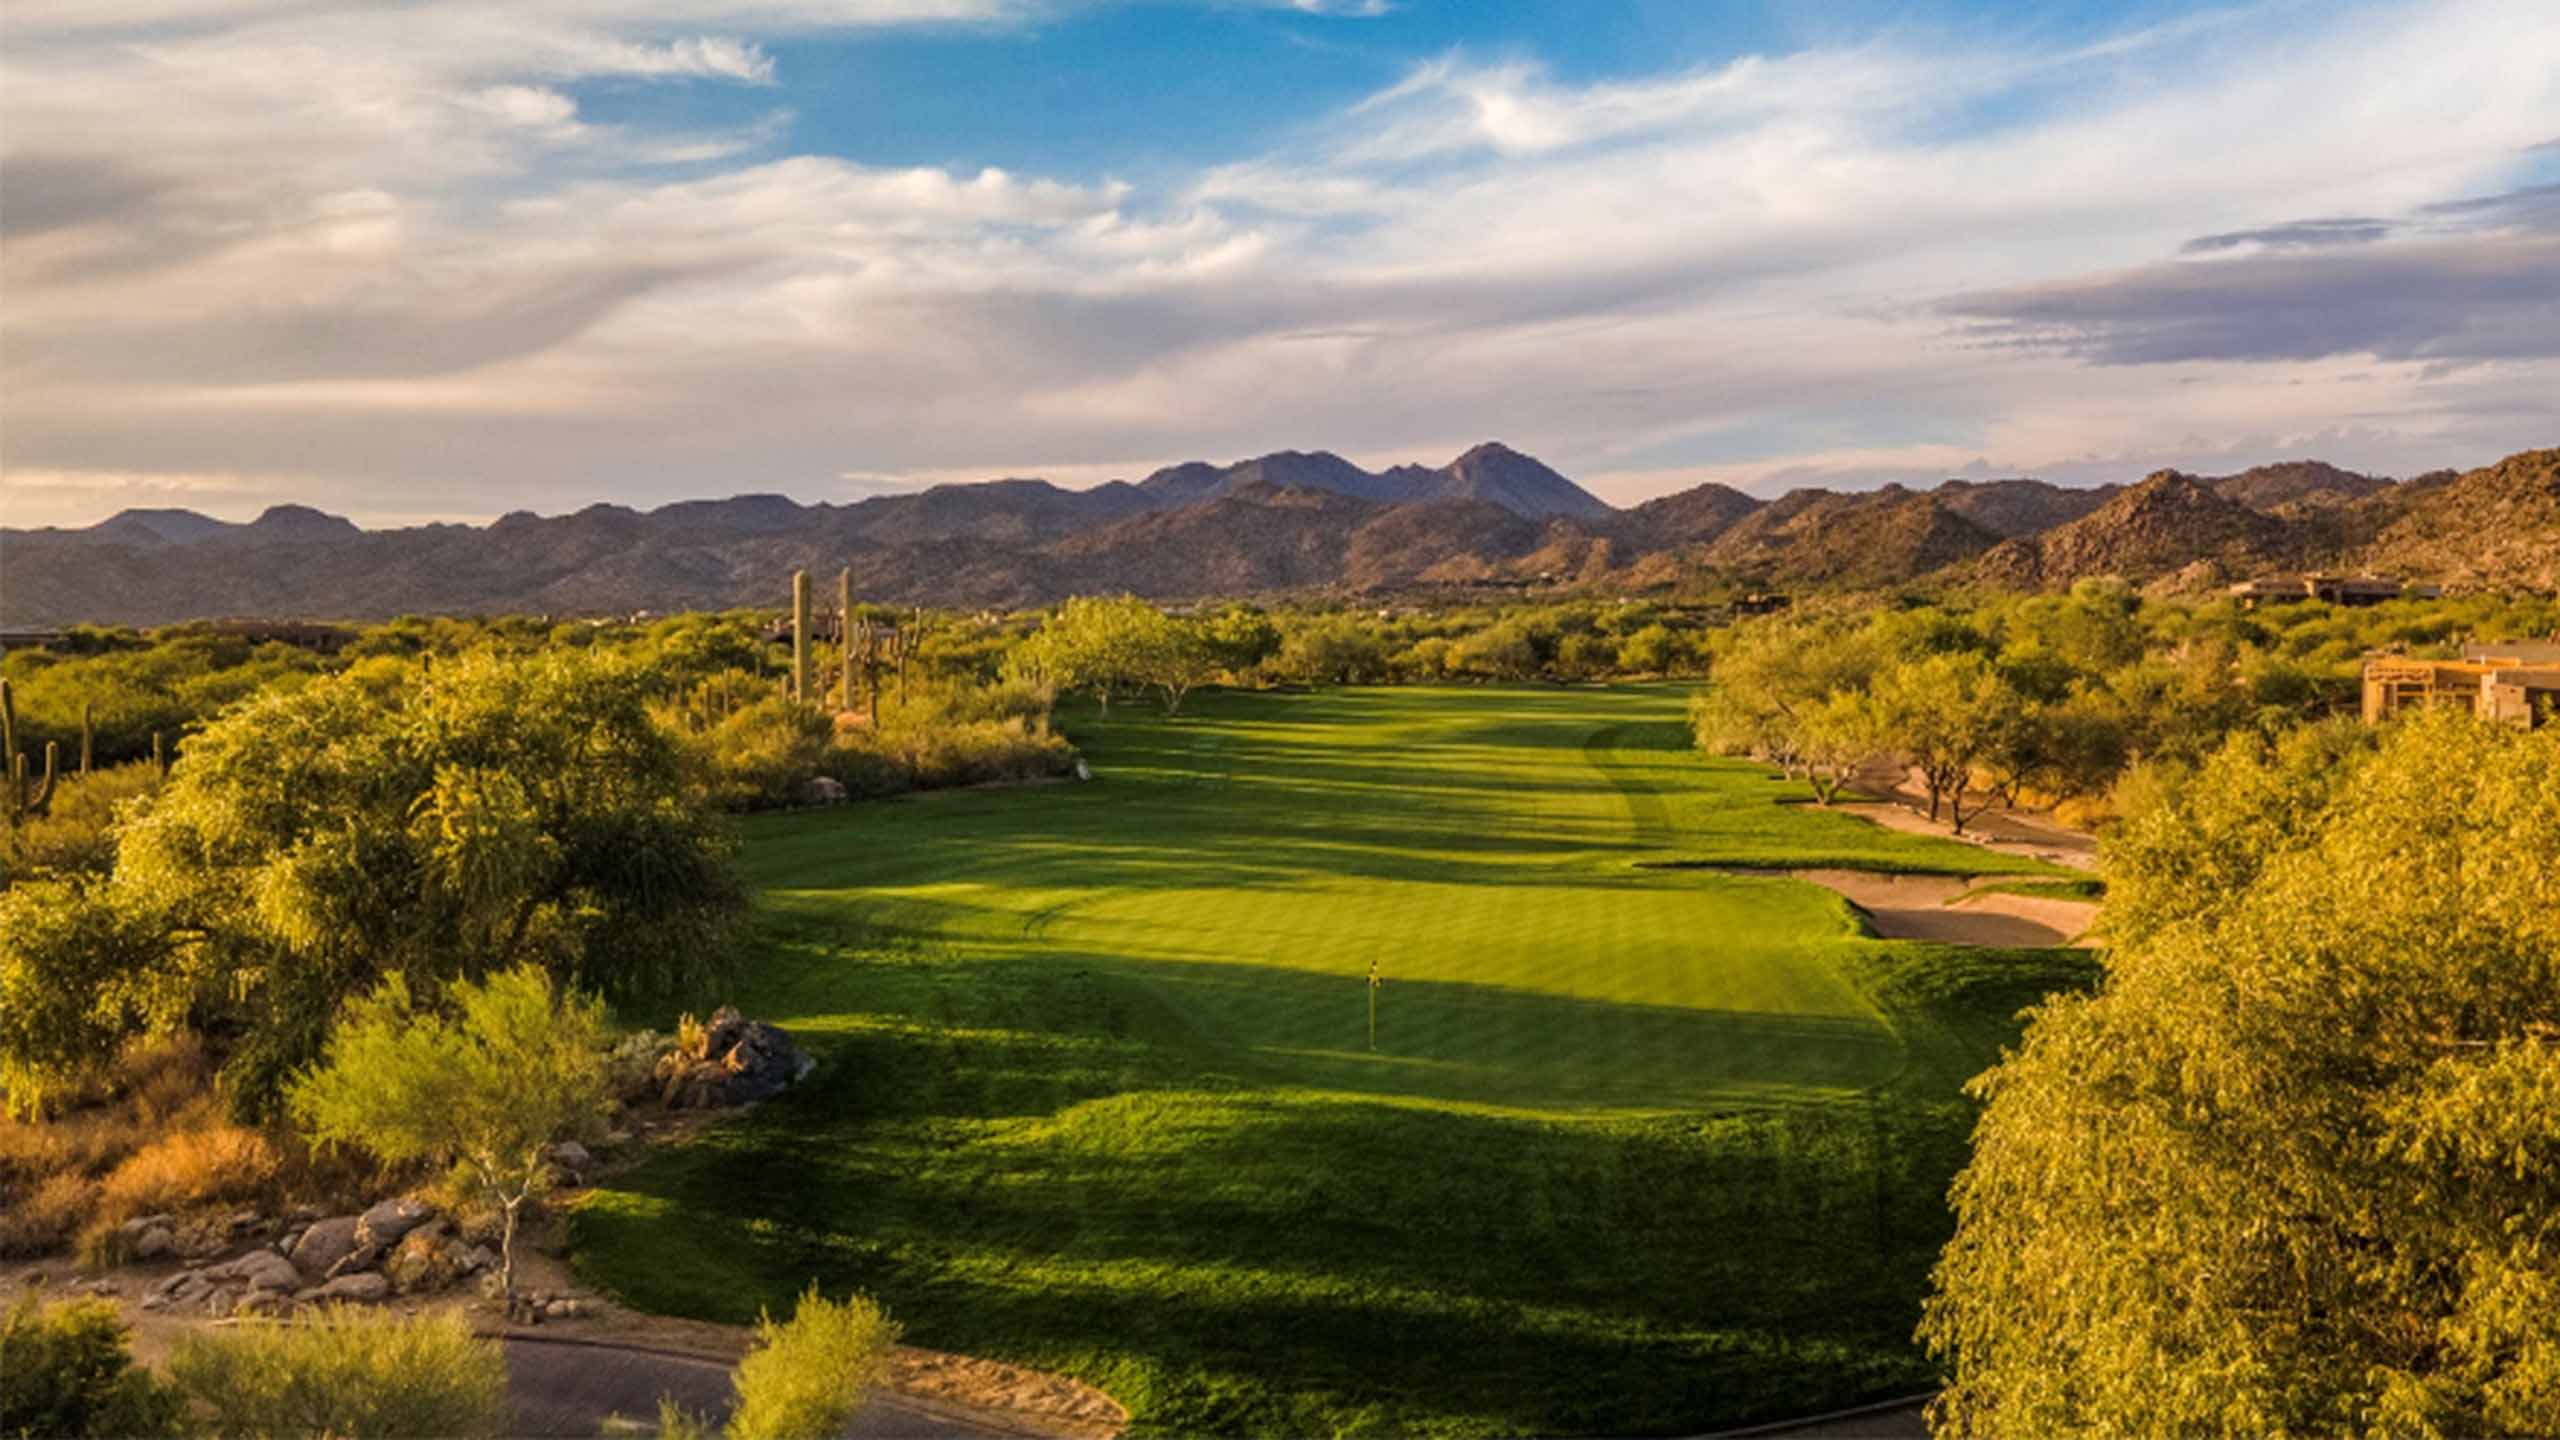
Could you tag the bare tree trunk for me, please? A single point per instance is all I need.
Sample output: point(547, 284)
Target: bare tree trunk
point(507, 1258)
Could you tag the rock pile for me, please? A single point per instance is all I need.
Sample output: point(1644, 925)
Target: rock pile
point(730, 1061)
point(397, 1248)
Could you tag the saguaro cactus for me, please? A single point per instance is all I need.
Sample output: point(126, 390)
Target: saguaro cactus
point(21, 802)
point(844, 629)
point(87, 737)
point(800, 635)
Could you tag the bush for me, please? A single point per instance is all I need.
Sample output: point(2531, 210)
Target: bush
point(53, 1208)
point(757, 758)
point(64, 1370)
point(77, 831)
point(190, 1167)
point(805, 1379)
point(343, 1373)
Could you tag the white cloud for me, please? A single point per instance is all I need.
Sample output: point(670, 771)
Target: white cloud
point(381, 251)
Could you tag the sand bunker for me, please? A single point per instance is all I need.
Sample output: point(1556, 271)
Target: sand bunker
point(1955, 909)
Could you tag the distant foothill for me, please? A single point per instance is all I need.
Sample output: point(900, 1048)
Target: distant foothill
point(1308, 523)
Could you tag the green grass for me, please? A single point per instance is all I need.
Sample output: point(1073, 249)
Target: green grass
point(1641, 1148)
point(2088, 888)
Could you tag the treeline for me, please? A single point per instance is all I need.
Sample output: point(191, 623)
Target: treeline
point(2082, 701)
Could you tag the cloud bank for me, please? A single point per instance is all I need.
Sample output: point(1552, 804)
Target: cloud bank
point(387, 260)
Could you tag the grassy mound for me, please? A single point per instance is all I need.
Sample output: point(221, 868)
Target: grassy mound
point(1640, 1149)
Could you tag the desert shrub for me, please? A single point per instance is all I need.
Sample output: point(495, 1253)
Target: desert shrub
point(990, 751)
point(757, 757)
point(342, 1373)
point(38, 1221)
point(77, 831)
point(805, 1378)
point(190, 1167)
point(160, 1077)
point(64, 1370)
point(856, 762)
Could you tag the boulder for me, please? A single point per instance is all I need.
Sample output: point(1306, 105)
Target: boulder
point(155, 1243)
point(424, 1261)
point(479, 1258)
point(325, 1244)
point(573, 1157)
point(821, 790)
point(739, 1060)
point(385, 1223)
point(259, 1270)
point(364, 1288)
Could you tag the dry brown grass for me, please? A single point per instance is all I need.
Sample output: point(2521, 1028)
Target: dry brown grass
point(187, 1168)
point(41, 1219)
point(149, 1136)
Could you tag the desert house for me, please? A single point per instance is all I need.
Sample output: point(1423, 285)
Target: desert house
point(2514, 683)
point(2334, 589)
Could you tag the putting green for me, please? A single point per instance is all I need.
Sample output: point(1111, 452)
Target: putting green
point(1640, 1148)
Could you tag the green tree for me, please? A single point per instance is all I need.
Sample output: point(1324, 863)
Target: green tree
point(1947, 713)
point(516, 1069)
point(496, 811)
point(2295, 1168)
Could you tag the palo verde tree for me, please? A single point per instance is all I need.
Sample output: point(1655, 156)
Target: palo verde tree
point(482, 813)
point(516, 1068)
point(2295, 1167)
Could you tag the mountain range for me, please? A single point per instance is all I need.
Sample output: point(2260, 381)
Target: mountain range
point(1298, 521)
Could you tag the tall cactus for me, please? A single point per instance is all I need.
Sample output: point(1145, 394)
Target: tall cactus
point(800, 635)
point(844, 629)
point(21, 802)
point(87, 734)
point(159, 755)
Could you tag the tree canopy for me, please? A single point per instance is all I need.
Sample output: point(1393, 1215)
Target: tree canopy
point(471, 815)
point(2295, 1168)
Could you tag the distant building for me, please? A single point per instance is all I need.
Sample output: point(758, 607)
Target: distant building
point(302, 634)
point(2335, 589)
point(2513, 684)
point(30, 639)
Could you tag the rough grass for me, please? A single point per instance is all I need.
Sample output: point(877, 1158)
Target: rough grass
point(1640, 1149)
point(2087, 887)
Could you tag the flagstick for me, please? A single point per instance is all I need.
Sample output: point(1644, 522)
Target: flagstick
point(1373, 1005)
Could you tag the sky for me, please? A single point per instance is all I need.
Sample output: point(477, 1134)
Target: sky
point(441, 261)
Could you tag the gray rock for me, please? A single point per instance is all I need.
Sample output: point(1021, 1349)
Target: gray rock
point(364, 1288)
point(325, 1244)
point(385, 1223)
point(561, 1310)
point(304, 1214)
point(243, 1220)
point(821, 790)
point(573, 1155)
point(740, 1061)
point(260, 1270)
point(263, 1302)
point(155, 1243)
point(479, 1258)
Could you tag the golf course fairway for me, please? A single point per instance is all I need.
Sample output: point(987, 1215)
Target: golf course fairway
point(1642, 1146)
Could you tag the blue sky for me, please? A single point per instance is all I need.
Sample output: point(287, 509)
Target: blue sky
point(411, 262)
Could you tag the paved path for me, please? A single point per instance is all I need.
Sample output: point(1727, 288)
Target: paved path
point(560, 1388)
